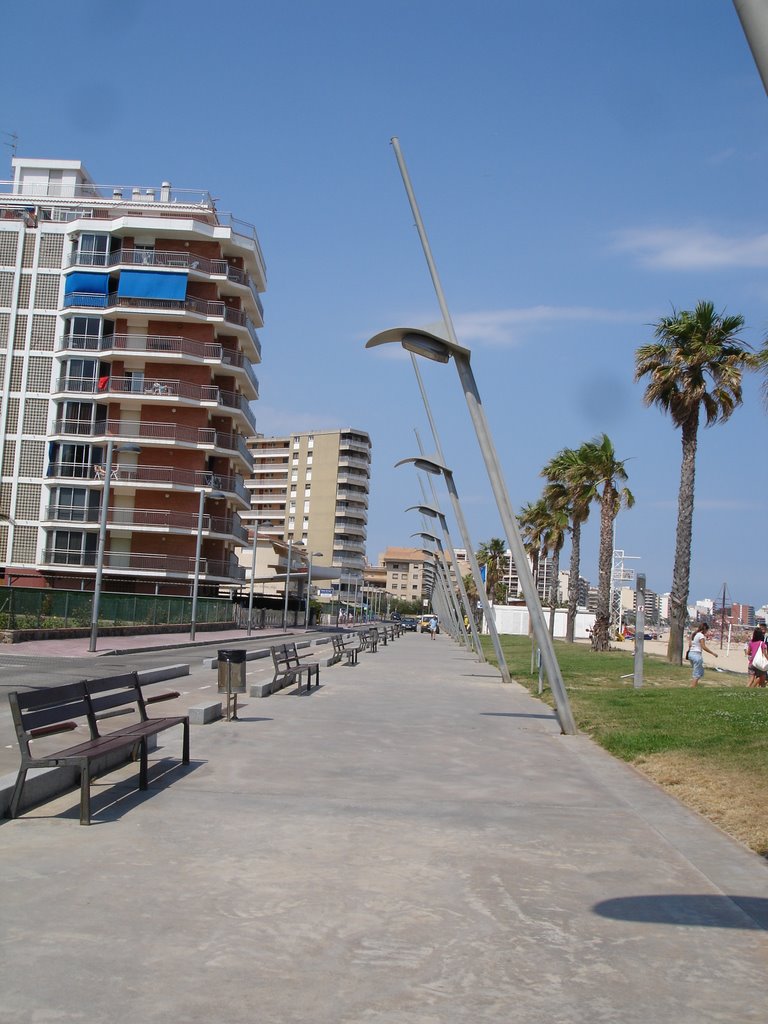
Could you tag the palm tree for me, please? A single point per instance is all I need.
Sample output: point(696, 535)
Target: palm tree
point(608, 472)
point(693, 369)
point(570, 469)
point(532, 519)
point(556, 501)
point(492, 555)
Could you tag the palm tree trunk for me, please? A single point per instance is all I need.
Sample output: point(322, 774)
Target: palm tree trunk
point(608, 510)
point(681, 575)
point(573, 580)
point(553, 590)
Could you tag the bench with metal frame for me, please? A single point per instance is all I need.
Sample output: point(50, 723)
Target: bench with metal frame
point(341, 649)
point(369, 640)
point(57, 709)
point(290, 668)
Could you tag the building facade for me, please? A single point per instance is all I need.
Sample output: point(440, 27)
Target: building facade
point(128, 322)
point(312, 489)
point(409, 573)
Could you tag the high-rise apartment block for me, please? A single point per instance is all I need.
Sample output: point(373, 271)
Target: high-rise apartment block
point(312, 489)
point(128, 336)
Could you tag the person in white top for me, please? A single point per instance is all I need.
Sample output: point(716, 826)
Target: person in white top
point(695, 652)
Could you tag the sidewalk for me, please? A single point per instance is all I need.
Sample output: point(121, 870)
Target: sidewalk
point(413, 843)
point(77, 647)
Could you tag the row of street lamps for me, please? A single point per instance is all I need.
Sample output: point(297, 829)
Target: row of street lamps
point(440, 349)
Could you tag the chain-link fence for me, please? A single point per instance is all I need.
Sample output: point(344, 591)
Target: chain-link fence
point(27, 608)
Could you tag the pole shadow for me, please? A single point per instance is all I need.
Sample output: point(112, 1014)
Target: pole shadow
point(518, 714)
point(705, 910)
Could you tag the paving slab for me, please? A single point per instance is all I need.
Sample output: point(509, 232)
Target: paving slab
point(412, 843)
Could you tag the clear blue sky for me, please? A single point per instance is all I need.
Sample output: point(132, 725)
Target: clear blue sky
point(581, 168)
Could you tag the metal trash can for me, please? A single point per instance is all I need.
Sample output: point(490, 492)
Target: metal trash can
point(231, 671)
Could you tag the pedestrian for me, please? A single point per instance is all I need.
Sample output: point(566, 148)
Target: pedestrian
point(757, 674)
point(695, 652)
point(432, 626)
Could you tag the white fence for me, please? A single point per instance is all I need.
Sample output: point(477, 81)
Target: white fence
point(514, 619)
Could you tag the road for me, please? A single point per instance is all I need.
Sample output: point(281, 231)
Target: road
point(23, 671)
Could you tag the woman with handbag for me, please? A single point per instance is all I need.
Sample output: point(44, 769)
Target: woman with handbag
point(757, 659)
point(695, 652)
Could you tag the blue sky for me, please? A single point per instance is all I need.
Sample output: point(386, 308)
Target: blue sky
point(580, 167)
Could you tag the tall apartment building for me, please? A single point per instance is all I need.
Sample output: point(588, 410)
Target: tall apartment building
point(128, 324)
point(312, 489)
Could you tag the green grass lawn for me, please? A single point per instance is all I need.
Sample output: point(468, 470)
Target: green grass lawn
point(723, 723)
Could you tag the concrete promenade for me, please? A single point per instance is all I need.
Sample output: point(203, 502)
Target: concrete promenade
point(413, 843)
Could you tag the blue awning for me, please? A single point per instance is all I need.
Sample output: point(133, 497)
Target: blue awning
point(152, 284)
point(92, 284)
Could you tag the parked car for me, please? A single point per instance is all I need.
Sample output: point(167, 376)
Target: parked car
point(424, 624)
point(409, 624)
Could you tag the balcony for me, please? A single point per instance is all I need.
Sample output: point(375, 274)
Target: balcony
point(184, 260)
point(204, 308)
point(353, 462)
point(161, 346)
point(358, 494)
point(124, 562)
point(163, 476)
point(352, 513)
point(348, 544)
point(351, 527)
point(152, 520)
point(160, 433)
point(159, 389)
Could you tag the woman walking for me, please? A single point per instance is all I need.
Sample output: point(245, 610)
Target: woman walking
point(696, 652)
point(757, 676)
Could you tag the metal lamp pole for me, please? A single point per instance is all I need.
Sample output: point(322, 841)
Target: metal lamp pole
point(198, 549)
point(435, 513)
point(313, 554)
point(435, 467)
point(103, 537)
point(287, 583)
point(253, 570)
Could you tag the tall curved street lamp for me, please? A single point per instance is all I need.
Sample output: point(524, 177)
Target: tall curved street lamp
point(215, 496)
point(100, 551)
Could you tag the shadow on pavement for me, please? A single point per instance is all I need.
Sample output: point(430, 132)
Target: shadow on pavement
point(707, 910)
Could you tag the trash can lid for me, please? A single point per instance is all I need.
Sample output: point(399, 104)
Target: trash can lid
point(232, 655)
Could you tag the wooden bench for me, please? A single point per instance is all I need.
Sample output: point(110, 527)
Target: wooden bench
point(57, 709)
point(343, 649)
point(290, 668)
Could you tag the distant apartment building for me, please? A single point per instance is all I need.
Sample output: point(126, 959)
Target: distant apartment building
point(409, 573)
point(742, 614)
point(128, 322)
point(311, 489)
point(651, 605)
point(544, 578)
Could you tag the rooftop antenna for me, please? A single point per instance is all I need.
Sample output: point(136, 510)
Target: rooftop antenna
point(13, 144)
